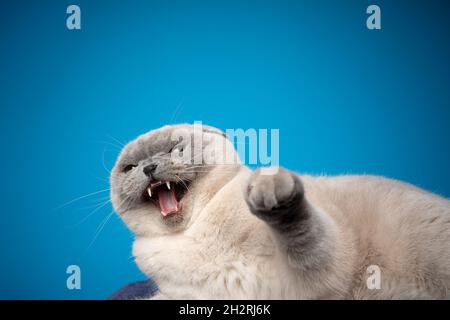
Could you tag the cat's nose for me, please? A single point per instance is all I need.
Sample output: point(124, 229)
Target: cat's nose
point(149, 169)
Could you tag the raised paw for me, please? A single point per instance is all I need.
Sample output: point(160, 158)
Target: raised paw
point(275, 195)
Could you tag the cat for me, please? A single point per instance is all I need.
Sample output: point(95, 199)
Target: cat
point(218, 230)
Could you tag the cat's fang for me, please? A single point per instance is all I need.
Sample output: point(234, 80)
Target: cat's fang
point(149, 190)
point(168, 185)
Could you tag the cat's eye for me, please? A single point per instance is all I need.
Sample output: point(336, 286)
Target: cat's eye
point(128, 167)
point(178, 150)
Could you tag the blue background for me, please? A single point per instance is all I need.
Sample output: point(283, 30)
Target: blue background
point(346, 100)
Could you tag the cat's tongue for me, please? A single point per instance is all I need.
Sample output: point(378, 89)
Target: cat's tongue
point(167, 201)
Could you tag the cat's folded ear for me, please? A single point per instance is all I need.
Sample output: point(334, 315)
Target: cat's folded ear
point(210, 129)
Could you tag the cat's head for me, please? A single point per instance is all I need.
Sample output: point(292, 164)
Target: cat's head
point(157, 177)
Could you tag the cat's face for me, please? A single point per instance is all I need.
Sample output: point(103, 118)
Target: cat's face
point(153, 178)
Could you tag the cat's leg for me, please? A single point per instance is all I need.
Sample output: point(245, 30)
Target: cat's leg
point(305, 234)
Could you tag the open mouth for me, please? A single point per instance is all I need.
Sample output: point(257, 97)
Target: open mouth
point(167, 194)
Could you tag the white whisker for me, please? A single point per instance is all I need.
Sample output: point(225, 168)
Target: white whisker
point(109, 144)
point(98, 207)
point(82, 197)
point(121, 144)
point(100, 228)
point(103, 162)
point(103, 223)
point(185, 185)
point(176, 111)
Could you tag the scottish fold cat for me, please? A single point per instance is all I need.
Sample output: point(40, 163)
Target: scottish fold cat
point(214, 229)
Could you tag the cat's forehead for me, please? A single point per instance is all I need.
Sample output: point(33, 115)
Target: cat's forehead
point(164, 138)
point(155, 141)
point(151, 142)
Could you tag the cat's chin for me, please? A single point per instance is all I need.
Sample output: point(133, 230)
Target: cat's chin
point(148, 222)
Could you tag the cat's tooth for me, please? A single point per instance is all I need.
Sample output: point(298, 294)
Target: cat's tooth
point(168, 185)
point(149, 190)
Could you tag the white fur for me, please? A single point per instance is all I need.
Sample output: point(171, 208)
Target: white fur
point(227, 253)
point(222, 251)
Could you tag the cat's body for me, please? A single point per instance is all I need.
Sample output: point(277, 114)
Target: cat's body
point(247, 235)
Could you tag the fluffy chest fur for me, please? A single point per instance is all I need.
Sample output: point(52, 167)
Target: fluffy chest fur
point(225, 253)
point(228, 253)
